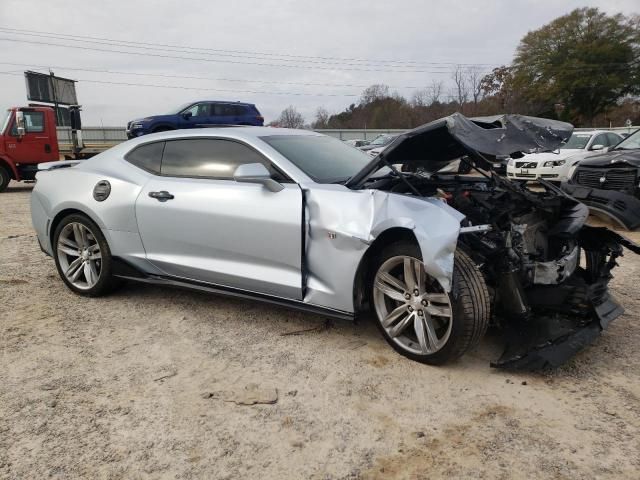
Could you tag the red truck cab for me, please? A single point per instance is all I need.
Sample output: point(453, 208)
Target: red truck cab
point(28, 137)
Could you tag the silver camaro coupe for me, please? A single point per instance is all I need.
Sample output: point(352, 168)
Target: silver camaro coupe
point(300, 219)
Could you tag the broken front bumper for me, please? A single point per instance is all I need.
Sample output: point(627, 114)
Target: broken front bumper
point(567, 317)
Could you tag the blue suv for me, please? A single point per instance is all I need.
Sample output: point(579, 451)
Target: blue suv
point(198, 114)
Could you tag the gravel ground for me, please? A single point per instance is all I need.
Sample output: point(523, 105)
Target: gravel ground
point(159, 383)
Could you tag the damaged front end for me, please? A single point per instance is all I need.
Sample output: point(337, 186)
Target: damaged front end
point(546, 270)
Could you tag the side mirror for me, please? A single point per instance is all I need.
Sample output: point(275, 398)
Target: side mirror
point(256, 173)
point(187, 115)
point(597, 147)
point(20, 124)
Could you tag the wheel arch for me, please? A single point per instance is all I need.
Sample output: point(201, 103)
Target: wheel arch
point(58, 217)
point(365, 267)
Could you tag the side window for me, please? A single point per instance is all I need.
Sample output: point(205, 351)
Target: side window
point(240, 110)
point(34, 122)
point(229, 110)
point(217, 109)
point(198, 110)
point(613, 139)
point(211, 158)
point(600, 140)
point(147, 157)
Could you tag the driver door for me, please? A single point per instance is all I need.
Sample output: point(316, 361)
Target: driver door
point(196, 116)
point(206, 227)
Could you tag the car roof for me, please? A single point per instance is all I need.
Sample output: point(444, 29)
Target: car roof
point(238, 132)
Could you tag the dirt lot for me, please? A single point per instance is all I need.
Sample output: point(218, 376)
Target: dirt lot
point(154, 383)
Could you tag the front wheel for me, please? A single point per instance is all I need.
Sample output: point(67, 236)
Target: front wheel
point(5, 178)
point(417, 317)
point(82, 256)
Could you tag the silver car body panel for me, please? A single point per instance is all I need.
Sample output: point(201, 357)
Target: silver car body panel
point(343, 223)
point(241, 235)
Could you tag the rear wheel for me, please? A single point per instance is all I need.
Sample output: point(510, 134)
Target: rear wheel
point(5, 178)
point(417, 317)
point(82, 256)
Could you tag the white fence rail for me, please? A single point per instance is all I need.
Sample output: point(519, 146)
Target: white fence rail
point(109, 136)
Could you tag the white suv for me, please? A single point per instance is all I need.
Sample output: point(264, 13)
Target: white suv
point(554, 166)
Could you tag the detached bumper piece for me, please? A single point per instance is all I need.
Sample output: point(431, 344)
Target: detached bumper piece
point(563, 319)
point(621, 207)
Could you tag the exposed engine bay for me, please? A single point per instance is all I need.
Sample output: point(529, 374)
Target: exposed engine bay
point(546, 271)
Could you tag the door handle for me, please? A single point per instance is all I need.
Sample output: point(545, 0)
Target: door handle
point(161, 196)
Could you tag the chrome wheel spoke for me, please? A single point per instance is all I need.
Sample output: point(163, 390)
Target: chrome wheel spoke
point(393, 316)
point(390, 286)
point(410, 273)
point(75, 267)
point(68, 251)
point(399, 327)
point(90, 273)
point(432, 337)
point(67, 242)
point(437, 298)
point(418, 326)
point(438, 310)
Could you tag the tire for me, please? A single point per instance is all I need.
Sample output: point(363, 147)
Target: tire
point(162, 129)
point(5, 178)
point(94, 275)
point(443, 338)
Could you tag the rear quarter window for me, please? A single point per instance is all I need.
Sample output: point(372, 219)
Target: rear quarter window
point(147, 157)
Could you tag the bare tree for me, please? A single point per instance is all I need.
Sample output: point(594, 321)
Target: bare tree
point(428, 96)
point(461, 91)
point(435, 92)
point(474, 83)
point(373, 93)
point(291, 118)
point(322, 118)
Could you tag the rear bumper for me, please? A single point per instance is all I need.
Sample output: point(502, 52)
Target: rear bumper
point(622, 208)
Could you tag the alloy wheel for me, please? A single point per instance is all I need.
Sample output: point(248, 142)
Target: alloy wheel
point(79, 255)
point(412, 307)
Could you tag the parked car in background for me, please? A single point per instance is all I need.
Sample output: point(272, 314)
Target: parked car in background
point(196, 115)
point(297, 218)
point(357, 143)
point(384, 143)
point(554, 166)
point(380, 141)
point(608, 183)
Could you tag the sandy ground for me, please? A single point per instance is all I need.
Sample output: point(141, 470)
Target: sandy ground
point(159, 383)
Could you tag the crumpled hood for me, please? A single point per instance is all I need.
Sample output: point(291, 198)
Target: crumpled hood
point(442, 141)
point(620, 158)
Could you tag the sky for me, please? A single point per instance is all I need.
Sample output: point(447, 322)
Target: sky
point(273, 53)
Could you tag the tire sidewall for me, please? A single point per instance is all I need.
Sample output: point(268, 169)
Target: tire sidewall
point(5, 178)
point(449, 350)
point(105, 280)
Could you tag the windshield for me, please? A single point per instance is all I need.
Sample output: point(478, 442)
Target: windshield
point(324, 159)
point(632, 142)
point(5, 122)
point(382, 139)
point(176, 111)
point(578, 141)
